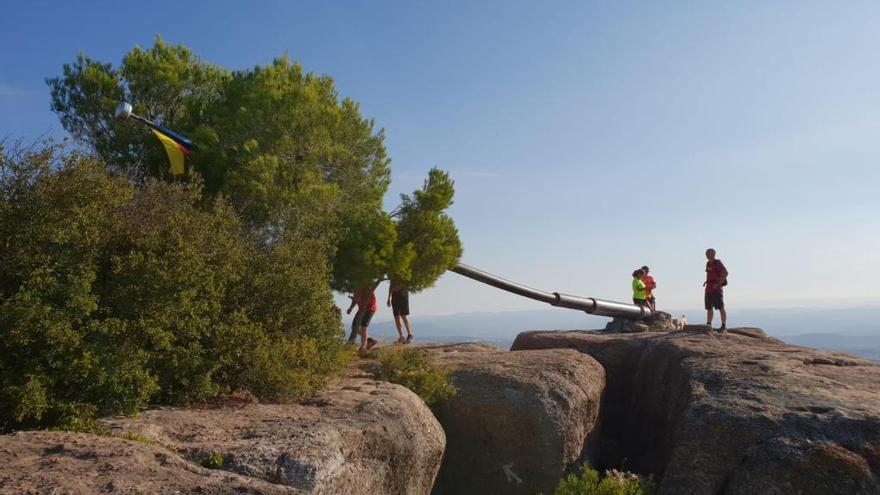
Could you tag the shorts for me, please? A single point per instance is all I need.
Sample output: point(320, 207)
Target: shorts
point(714, 299)
point(640, 302)
point(366, 317)
point(400, 303)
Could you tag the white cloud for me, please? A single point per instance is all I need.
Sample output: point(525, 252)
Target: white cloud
point(9, 90)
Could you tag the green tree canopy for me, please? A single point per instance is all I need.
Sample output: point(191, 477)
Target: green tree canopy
point(271, 139)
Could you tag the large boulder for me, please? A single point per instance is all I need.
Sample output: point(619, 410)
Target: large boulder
point(734, 414)
point(57, 462)
point(361, 436)
point(519, 420)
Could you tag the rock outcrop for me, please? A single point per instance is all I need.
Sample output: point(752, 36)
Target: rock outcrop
point(57, 462)
point(658, 322)
point(735, 414)
point(361, 436)
point(519, 419)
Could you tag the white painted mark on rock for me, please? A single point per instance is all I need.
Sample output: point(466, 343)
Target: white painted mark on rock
point(511, 476)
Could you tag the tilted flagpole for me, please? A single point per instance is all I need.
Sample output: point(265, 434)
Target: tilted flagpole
point(177, 147)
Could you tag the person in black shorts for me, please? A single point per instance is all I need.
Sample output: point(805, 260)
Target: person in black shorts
point(716, 279)
point(398, 299)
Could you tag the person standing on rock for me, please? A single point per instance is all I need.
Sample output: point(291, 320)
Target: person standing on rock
point(639, 289)
point(398, 299)
point(650, 285)
point(365, 299)
point(716, 279)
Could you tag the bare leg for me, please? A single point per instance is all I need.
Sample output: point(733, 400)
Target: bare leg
point(723, 317)
point(406, 322)
point(363, 333)
point(397, 323)
point(355, 326)
point(709, 315)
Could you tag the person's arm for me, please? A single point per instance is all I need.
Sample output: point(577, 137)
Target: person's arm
point(351, 306)
point(389, 294)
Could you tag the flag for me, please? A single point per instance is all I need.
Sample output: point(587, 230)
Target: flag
point(176, 146)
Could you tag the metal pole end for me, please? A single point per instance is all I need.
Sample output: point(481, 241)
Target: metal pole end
point(123, 110)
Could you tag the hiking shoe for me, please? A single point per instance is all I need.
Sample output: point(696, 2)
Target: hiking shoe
point(400, 340)
point(370, 343)
point(409, 338)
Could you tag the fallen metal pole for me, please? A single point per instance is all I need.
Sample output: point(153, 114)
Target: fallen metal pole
point(591, 305)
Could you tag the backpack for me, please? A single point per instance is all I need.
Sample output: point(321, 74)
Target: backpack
point(724, 283)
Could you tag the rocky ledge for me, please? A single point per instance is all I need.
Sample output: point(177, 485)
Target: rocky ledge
point(519, 420)
point(701, 412)
point(359, 436)
point(56, 463)
point(734, 414)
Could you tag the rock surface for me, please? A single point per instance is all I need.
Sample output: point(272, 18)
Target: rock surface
point(533, 412)
point(735, 414)
point(55, 462)
point(361, 436)
point(658, 322)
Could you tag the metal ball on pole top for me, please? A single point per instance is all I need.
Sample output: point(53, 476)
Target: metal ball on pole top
point(177, 147)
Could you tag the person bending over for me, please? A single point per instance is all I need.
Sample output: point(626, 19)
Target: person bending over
point(365, 299)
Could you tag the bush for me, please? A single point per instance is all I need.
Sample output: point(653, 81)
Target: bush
point(213, 461)
point(415, 369)
point(614, 482)
point(115, 295)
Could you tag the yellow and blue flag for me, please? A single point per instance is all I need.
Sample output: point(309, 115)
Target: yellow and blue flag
point(176, 146)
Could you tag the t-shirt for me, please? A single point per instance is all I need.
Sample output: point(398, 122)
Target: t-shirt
point(360, 300)
point(400, 294)
point(714, 271)
point(649, 285)
point(638, 289)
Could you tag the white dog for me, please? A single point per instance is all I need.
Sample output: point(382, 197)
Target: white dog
point(679, 323)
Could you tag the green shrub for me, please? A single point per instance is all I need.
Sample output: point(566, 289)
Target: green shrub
point(415, 369)
point(134, 437)
point(614, 482)
point(212, 461)
point(116, 294)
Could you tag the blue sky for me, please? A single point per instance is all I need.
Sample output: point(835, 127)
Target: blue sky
point(585, 138)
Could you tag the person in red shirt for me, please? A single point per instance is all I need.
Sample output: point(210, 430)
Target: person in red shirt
point(716, 279)
point(365, 299)
point(650, 285)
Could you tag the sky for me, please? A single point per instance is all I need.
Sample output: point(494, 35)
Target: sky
point(585, 138)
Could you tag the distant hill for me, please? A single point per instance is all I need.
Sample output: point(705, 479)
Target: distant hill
point(853, 330)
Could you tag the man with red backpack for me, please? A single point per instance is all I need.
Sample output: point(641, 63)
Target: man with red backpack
point(716, 279)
